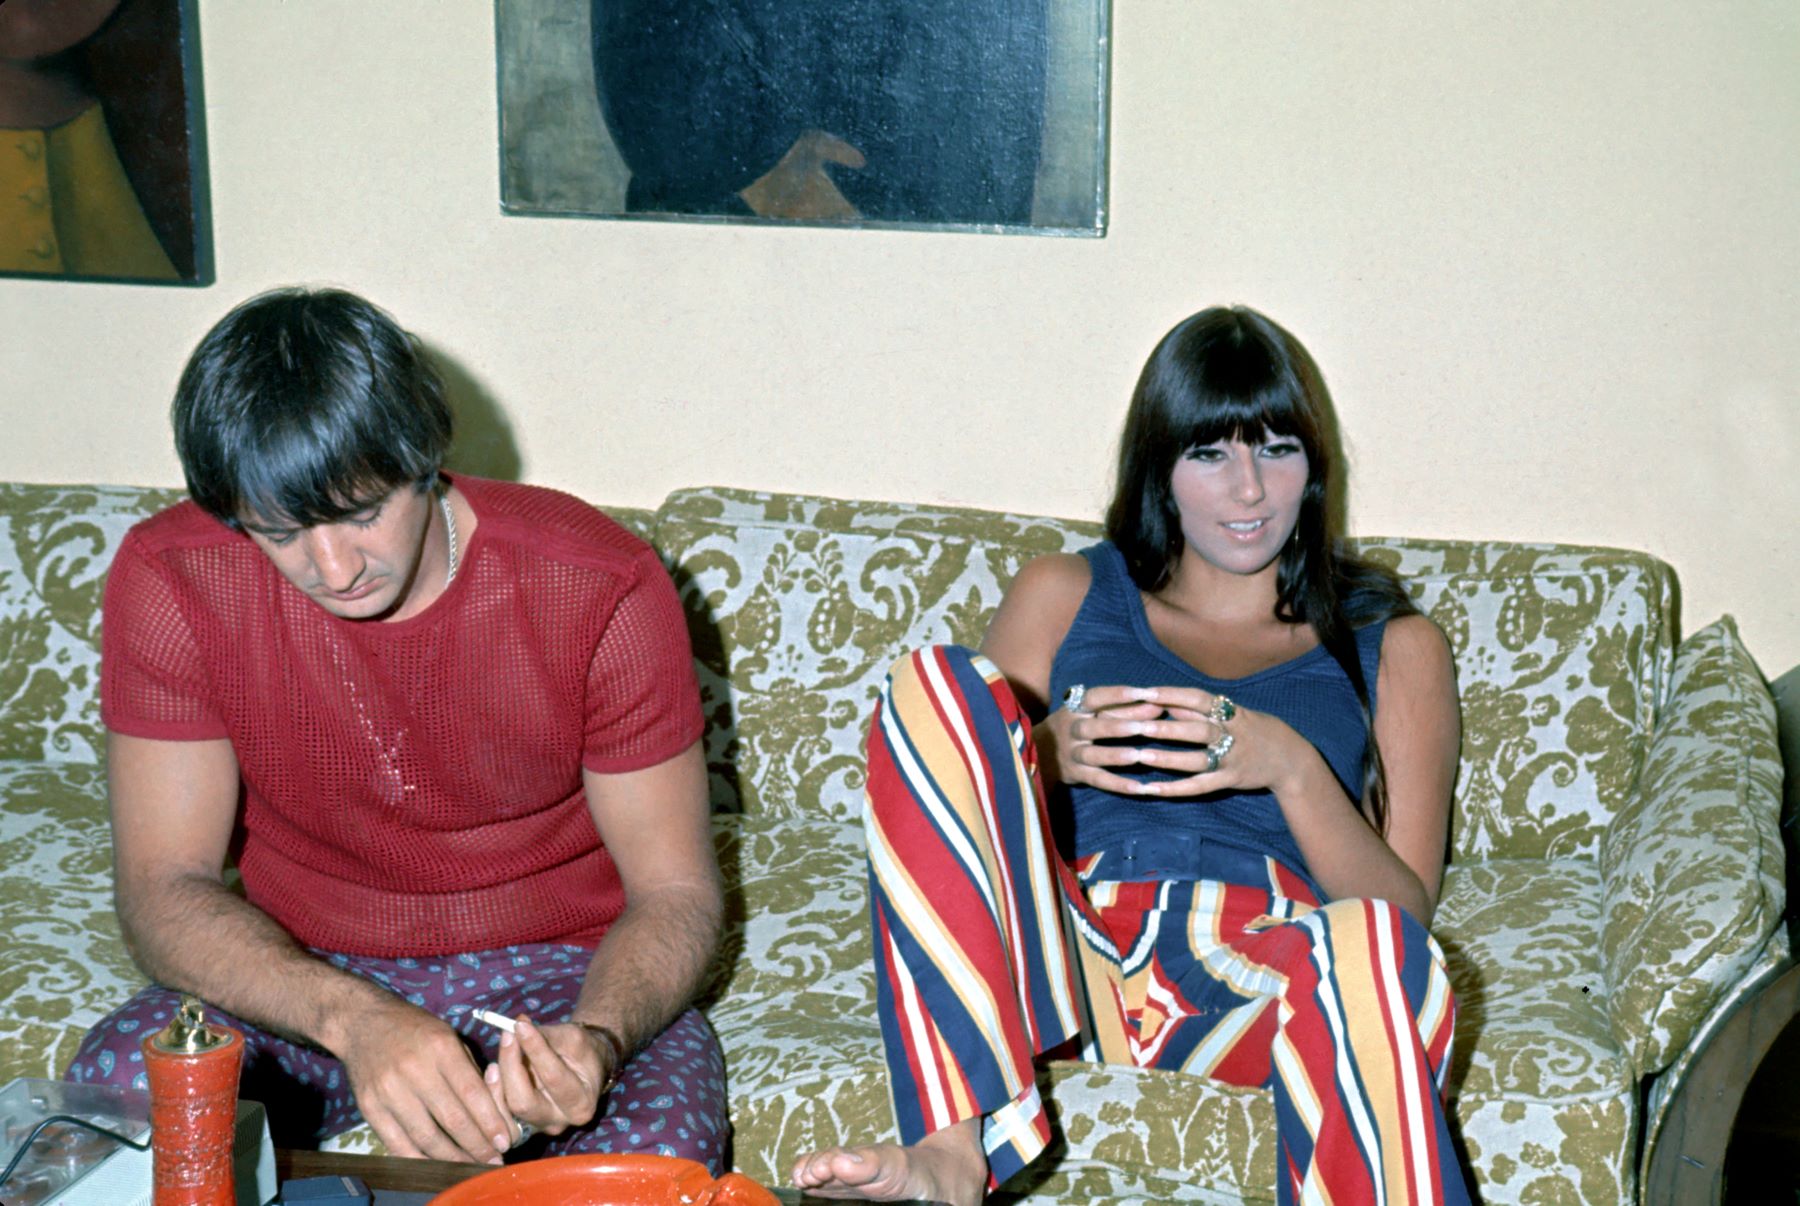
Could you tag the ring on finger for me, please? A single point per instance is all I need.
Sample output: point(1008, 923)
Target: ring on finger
point(1215, 753)
point(1222, 710)
point(1073, 696)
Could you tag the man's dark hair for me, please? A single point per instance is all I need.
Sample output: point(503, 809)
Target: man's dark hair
point(305, 405)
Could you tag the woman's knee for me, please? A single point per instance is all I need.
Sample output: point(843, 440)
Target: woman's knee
point(1392, 934)
point(914, 665)
point(1363, 911)
point(927, 668)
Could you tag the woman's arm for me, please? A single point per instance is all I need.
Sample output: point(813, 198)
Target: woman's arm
point(1419, 731)
point(1022, 640)
point(1032, 620)
point(1417, 724)
point(1418, 727)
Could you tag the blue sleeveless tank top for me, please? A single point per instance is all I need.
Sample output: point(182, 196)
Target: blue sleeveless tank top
point(1110, 643)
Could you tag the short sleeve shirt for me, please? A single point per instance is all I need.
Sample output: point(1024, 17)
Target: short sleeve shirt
point(414, 787)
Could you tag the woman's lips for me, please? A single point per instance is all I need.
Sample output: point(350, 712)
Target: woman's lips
point(1245, 529)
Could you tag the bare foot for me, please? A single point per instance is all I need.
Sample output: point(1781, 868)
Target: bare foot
point(945, 1166)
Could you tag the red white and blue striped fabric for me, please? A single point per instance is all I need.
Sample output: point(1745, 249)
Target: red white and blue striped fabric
point(990, 950)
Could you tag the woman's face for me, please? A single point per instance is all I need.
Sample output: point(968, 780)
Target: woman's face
point(1239, 502)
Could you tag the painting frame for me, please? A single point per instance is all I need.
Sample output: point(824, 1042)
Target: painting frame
point(899, 130)
point(117, 190)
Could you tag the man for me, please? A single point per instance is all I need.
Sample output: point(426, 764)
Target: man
point(450, 730)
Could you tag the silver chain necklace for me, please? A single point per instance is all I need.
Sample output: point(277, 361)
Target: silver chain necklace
point(450, 531)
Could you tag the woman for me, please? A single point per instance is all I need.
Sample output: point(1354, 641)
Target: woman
point(1251, 849)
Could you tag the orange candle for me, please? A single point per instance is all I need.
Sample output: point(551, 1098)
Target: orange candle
point(193, 1069)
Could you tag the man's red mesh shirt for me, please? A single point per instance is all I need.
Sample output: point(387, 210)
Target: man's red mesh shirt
point(414, 787)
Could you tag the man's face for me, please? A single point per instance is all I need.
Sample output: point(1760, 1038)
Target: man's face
point(363, 567)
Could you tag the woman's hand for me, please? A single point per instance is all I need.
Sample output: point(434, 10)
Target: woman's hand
point(1222, 746)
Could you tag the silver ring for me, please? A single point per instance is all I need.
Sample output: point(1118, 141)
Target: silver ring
point(1215, 753)
point(1222, 710)
point(1073, 696)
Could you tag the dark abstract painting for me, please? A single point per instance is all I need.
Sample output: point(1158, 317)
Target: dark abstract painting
point(965, 114)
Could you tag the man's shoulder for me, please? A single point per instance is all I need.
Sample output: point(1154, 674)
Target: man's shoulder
point(551, 524)
point(181, 526)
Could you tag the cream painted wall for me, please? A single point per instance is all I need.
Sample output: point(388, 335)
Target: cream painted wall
point(1548, 255)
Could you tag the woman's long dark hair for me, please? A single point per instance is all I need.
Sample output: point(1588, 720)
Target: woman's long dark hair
point(1230, 373)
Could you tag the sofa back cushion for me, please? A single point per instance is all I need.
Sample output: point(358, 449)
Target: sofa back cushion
point(1693, 867)
point(1562, 657)
point(799, 604)
point(55, 545)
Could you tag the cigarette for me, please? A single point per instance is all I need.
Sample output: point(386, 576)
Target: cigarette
point(498, 1021)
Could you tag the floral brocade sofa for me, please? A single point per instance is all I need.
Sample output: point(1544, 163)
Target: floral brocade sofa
point(1616, 876)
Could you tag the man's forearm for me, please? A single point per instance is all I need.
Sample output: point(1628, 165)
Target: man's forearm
point(195, 935)
point(652, 962)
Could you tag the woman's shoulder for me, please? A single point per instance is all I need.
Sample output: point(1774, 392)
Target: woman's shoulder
point(1046, 593)
point(1413, 647)
point(1055, 575)
point(1033, 618)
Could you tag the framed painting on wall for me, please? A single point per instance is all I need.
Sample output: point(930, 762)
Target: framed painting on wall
point(102, 149)
point(981, 115)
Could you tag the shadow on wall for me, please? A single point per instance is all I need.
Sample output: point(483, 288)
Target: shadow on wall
point(484, 445)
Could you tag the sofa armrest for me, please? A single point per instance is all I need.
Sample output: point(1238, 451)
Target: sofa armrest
point(1692, 869)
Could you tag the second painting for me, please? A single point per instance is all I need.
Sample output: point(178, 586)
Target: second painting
point(964, 114)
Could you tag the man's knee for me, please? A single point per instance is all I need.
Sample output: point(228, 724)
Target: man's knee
point(109, 1055)
point(670, 1100)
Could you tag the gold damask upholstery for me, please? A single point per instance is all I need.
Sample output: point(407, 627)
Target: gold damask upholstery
point(1615, 882)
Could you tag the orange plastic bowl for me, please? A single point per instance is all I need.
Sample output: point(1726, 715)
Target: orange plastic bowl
point(600, 1180)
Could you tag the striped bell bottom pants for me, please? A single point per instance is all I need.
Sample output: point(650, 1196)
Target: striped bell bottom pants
point(990, 949)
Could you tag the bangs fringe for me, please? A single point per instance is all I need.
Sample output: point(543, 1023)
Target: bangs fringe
point(1252, 418)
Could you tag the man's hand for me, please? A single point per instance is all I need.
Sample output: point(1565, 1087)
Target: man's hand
point(418, 1086)
point(799, 187)
point(550, 1076)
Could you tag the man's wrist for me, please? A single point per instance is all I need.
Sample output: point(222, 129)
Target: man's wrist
point(347, 1007)
point(606, 1040)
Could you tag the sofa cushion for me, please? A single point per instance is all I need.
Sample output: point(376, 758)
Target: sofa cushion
point(796, 906)
point(1534, 1050)
point(797, 607)
point(799, 604)
point(56, 543)
point(1694, 882)
point(1561, 655)
point(63, 965)
point(1522, 937)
